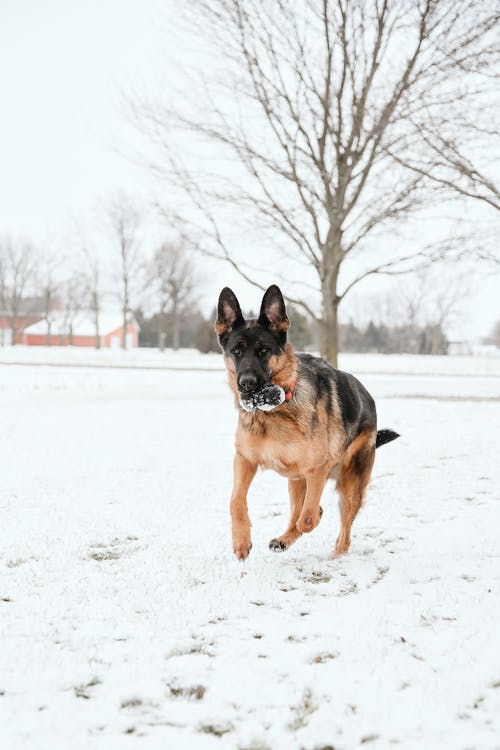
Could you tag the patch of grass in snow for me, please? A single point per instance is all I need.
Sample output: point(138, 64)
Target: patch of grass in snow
point(296, 639)
point(195, 648)
point(324, 657)
point(351, 588)
point(305, 708)
point(112, 550)
point(257, 745)
point(83, 691)
point(218, 730)
point(315, 576)
point(193, 693)
point(16, 563)
point(381, 574)
point(131, 703)
point(105, 554)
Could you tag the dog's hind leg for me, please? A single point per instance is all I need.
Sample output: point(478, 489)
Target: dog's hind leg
point(244, 472)
point(351, 485)
point(297, 492)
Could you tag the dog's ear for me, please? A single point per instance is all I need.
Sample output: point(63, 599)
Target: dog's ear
point(228, 312)
point(272, 311)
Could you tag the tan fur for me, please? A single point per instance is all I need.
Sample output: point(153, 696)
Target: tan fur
point(244, 472)
point(284, 368)
point(277, 322)
point(227, 316)
point(354, 476)
point(297, 491)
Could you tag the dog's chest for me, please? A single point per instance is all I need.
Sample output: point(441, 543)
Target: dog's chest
point(271, 454)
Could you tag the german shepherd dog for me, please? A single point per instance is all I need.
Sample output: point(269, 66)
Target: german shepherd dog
point(325, 428)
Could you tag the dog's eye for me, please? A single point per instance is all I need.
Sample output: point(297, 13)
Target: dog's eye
point(236, 352)
point(262, 351)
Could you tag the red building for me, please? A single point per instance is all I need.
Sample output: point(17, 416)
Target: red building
point(80, 332)
point(29, 312)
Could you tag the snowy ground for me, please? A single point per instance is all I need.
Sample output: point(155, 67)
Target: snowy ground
point(126, 622)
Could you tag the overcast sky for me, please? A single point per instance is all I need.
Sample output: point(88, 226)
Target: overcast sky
point(62, 66)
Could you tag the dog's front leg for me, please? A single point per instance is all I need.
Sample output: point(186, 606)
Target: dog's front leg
point(244, 472)
point(311, 512)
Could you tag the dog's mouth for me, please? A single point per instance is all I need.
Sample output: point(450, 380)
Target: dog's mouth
point(265, 398)
point(248, 392)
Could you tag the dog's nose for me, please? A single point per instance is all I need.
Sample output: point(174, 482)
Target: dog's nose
point(247, 382)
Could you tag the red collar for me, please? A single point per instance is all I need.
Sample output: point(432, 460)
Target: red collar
point(289, 392)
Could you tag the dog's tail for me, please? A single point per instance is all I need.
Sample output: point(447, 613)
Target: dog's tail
point(385, 436)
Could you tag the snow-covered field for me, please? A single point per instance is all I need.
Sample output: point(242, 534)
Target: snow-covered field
point(126, 622)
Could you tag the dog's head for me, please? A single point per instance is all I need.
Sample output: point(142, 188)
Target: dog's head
point(255, 350)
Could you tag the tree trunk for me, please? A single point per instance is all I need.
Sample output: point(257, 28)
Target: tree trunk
point(13, 331)
point(96, 322)
point(329, 331)
point(175, 326)
point(329, 336)
point(162, 336)
point(124, 331)
point(47, 311)
point(175, 334)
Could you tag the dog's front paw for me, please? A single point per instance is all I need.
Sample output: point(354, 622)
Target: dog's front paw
point(242, 549)
point(278, 545)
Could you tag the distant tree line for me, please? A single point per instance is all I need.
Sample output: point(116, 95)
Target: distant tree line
point(197, 331)
point(116, 268)
point(395, 339)
point(155, 280)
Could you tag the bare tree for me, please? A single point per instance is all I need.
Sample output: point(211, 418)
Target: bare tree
point(123, 222)
point(319, 104)
point(17, 275)
point(89, 267)
point(73, 298)
point(433, 303)
point(93, 292)
point(92, 287)
point(421, 310)
point(460, 155)
point(172, 278)
point(48, 284)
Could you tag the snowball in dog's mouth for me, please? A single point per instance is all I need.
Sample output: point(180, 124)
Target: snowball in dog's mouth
point(265, 399)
